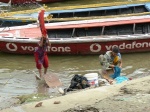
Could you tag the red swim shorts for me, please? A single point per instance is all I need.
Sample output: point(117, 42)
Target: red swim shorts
point(39, 65)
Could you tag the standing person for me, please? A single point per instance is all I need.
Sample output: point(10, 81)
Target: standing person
point(111, 59)
point(40, 55)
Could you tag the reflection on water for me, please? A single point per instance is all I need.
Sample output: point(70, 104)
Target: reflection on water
point(17, 78)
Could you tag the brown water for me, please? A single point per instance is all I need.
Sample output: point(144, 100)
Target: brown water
point(17, 78)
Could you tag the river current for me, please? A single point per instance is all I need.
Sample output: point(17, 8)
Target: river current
point(17, 77)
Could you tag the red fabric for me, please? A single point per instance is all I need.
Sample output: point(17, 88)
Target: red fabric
point(42, 23)
point(45, 62)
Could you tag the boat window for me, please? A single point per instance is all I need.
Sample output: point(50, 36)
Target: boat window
point(65, 15)
point(110, 12)
point(55, 15)
point(93, 31)
point(96, 13)
point(118, 30)
point(140, 9)
point(60, 33)
point(125, 11)
point(128, 29)
point(101, 12)
point(81, 14)
point(110, 30)
point(142, 28)
point(79, 32)
point(125, 29)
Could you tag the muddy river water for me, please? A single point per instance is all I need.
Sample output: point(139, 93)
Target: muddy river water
point(17, 78)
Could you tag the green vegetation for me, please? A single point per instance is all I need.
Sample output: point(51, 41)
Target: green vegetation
point(31, 98)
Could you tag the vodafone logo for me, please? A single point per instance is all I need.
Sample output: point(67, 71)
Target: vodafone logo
point(133, 45)
point(11, 46)
point(15, 47)
point(95, 47)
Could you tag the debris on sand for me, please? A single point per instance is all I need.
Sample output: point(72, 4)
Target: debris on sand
point(86, 109)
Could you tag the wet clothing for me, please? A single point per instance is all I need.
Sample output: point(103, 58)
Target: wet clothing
point(117, 72)
point(78, 82)
point(121, 79)
point(41, 57)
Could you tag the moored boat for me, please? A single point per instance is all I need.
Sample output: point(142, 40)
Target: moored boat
point(3, 5)
point(47, 1)
point(79, 13)
point(17, 1)
point(130, 34)
point(28, 1)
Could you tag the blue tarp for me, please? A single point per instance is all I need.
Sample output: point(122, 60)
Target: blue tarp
point(121, 79)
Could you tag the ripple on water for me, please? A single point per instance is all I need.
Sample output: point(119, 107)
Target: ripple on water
point(17, 83)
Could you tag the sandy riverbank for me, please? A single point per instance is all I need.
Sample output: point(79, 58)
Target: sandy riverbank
point(129, 96)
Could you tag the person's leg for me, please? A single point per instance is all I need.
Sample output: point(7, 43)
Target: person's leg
point(45, 64)
point(103, 69)
point(38, 65)
point(45, 70)
point(106, 75)
point(40, 72)
point(117, 72)
point(101, 59)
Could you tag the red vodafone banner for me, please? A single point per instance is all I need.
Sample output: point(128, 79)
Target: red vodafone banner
point(42, 22)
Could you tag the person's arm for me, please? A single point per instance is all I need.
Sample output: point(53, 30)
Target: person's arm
point(41, 42)
point(120, 63)
point(48, 42)
point(111, 65)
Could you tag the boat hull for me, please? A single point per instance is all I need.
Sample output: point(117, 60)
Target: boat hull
point(47, 1)
point(29, 1)
point(130, 34)
point(18, 1)
point(56, 14)
point(126, 44)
